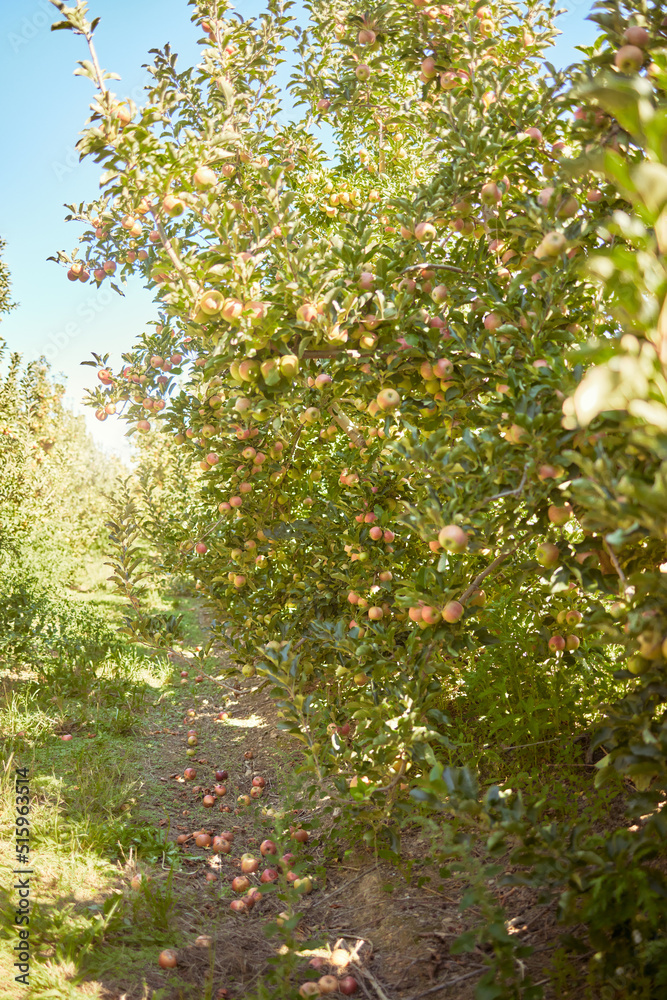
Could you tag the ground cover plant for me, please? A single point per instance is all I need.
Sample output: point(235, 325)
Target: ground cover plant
point(401, 504)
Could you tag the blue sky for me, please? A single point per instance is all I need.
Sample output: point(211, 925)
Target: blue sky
point(44, 109)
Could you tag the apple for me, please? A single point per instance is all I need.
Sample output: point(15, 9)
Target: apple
point(168, 959)
point(309, 990)
point(211, 877)
point(268, 875)
point(172, 206)
point(192, 738)
point(573, 617)
point(249, 863)
point(267, 847)
point(258, 781)
point(66, 737)
point(478, 599)
point(452, 611)
point(492, 321)
point(552, 245)
point(203, 840)
point(629, 59)
point(490, 194)
point(534, 134)
point(348, 986)
point(572, 642)
point(238, 906)
point(545, 196)
point(221, 846)
point(362, 72)
point(430, 615)
point(327, 984)
point(547, 472)
point(256, 792)
point(240, 884)
point(204, 177)
point(547, 555)
point(452, 538)
point(189, 774)
point(252, 896)
point(634, 35)
point(375, 614)
point(248, 755)
point(388, 399)
point(366, 281)
point(301, 836)
point(560, 515)
point(228, 835)
point(428, 68)
point(556, 643)
point(208, 801)
point(244, 800)
point(303, 885)
point(425, 232)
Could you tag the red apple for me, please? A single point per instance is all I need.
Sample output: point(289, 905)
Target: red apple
point(453, 538)
point(634, 35)
point(221, 846)
point(348, 985)
point(168, 959)
point(238, 906)
point(240, 884)
point(249, 864)
point(189, 774)
point(267, 847)
point(452, 611)
point(268, 875)
point(629, 59)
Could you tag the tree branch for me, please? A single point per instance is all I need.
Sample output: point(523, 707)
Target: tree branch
point(346, 424)
point(617, 566)
point(506, 493)
point(490, 568)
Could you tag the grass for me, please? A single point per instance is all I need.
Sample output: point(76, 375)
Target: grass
point(103, 809)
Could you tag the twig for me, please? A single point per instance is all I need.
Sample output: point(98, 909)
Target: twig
point(191, 285)
point(440, 267)
point(490, 568)
point(444, 984)
point(346, 424)
point(394, 781)
point(369, 975)
point(506, 493)
point(617, 566)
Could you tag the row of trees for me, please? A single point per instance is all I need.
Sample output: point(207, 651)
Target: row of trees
point(411, 404)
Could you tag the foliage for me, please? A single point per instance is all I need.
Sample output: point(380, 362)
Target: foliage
point(433, 366)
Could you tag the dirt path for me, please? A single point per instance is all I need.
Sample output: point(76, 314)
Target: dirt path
point(99, 936)
point(397, 930)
